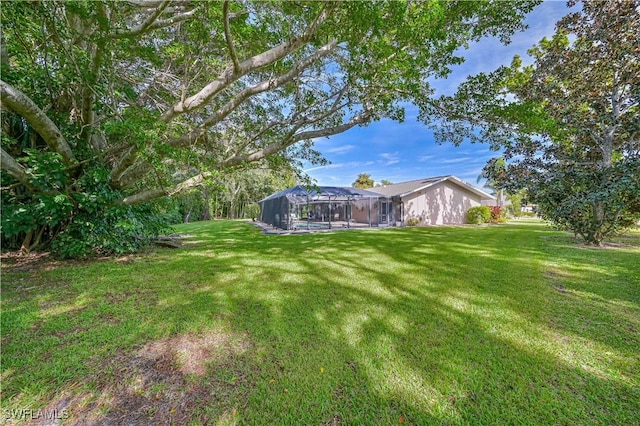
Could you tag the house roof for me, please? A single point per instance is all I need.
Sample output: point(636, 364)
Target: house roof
point(405, 188)
point(299, 192)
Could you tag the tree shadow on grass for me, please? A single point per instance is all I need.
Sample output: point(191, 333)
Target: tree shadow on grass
point(362, 328)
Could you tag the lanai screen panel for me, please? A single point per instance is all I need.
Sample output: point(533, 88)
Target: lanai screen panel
point(298, 207)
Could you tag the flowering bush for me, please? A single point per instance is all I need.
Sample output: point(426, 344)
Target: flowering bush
point(497, 214)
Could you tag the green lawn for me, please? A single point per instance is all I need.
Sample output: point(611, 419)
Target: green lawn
point(510, 324)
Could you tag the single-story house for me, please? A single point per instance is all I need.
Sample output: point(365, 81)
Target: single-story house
point(433, 201)
point(442, 200)
point(324, 207)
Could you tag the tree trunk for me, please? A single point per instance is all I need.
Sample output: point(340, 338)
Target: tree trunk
point(232, 207)
point(207, 204)
point(26, 243)
point(595, 234)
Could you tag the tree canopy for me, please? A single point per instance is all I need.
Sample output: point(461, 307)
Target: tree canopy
point(569, 123)
point(363, 181)
point(111, 104)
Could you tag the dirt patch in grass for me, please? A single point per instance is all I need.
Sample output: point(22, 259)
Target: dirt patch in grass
point(561, 289)
point(193, 354)
point(335, 421)
point(625, 241)
point(165, 382)
point(556, 276)
point(612, 245)
point(15, 261)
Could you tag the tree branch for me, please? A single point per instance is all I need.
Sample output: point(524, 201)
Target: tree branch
point(122, 168)
point(23, 105)
point(261, 87)
point(227, 36)
point(11, 166)
point(143, 196)
point(152, 22)
point(152, 194)
point(162, 23)
point(132, 174)
point(288, 140)
point(229, 75)
point(361, 118)
point(150, 19)
point(88, 94)
point(293, 137)
point(145, 3)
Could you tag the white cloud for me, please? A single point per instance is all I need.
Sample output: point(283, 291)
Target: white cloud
point(488, 54)
point(313, 169)
point(391, 158)
point(340, 149)
point(456, 160)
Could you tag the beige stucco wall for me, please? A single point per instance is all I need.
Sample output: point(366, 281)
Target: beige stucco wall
point(360, 211)
point(442, 204)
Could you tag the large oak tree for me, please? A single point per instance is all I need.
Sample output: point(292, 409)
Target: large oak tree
point(106, 103)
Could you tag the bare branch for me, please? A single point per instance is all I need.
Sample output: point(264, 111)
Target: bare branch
point(261, 87)
point(229, 75)
point(150, 19)
point(132, 174)
point(162, 23)
point(143, 196)
point(227, 36)
point(153, 23)
point(157, 193)
point(293, 137)
point(145, 3)
point(311, 134)
point(23, 105)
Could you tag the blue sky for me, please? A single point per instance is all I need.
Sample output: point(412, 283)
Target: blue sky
point(405, 151)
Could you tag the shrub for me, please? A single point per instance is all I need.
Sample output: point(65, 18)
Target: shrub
point(497, 214)
point(413, 221)
point(252, 211)
point(81, 219)
point(479, 214)
point(114, 230)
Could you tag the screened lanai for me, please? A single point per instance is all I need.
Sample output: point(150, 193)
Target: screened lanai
point(325, 207)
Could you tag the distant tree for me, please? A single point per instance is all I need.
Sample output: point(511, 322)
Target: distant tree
point(384, 182)
point(569, 123)
point(490, 170)
point(363, 181)
point(516, 201)
point(230, 194)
